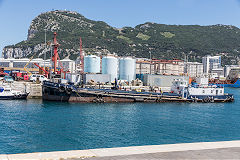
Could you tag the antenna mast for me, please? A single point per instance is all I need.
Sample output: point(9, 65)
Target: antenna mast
point(81, 57)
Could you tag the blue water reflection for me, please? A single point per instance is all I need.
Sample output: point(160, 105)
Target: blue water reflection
point(36, 126)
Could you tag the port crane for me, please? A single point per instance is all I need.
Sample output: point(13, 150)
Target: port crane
point(55, 59)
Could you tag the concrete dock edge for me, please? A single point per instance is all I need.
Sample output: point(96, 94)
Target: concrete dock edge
point(121, 151)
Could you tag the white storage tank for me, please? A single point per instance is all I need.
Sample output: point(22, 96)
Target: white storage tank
point(92, 64)
point(110, 66)
point(127, 69)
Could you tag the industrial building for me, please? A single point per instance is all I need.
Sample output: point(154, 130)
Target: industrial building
point(161, 80)
point(68, 65)
point(193, 69)
point(228, 68)
point(110, 66)
point(219, 72)
point(166, 67)
point(92, 64)
point(234, 74)
point(127, 69)
point(18, 64)
point(96, 78)
point(144, 67)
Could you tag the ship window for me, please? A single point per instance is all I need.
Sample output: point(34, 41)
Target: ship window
point(203, 91)
point(211, 91)
point(220, 91)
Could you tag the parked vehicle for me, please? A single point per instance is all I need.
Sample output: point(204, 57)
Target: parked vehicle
point(8, 79)
point(35, 77)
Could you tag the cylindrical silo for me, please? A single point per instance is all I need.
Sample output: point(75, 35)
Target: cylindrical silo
point(92, 64)
point(127, 69)
point(110, 66)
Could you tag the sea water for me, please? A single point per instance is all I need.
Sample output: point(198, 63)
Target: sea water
point(37, 126)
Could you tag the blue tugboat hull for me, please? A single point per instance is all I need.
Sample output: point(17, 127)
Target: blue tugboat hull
point(234, 85)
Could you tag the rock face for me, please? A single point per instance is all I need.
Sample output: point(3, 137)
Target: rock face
point(159, 40)
point(19, 52)
point(66, 23)
point(57, 21)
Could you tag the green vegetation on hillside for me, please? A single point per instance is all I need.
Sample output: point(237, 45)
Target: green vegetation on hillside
point(128, 40)
point(163, 41)
point(143, 36)
point(167, 34)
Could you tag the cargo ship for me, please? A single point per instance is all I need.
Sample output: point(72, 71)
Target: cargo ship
point(180, 92)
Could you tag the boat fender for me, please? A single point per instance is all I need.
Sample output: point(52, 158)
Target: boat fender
point(194, 99)
point(69, 91)
point(61, 89)
point(206, 100)
point(212, 99)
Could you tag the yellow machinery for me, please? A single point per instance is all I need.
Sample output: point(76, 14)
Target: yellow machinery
point(25, 67)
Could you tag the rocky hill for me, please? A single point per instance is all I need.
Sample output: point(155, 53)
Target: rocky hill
point(158, 40)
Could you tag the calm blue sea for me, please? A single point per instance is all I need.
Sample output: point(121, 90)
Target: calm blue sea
point(36, 126)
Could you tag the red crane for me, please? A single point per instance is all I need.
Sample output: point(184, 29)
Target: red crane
point(46, 72)
point(55, 56)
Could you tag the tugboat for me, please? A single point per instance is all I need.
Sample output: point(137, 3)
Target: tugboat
point(6, 93)
point(201, 92)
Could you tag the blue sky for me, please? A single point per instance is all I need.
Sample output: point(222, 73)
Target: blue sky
point(16, 15)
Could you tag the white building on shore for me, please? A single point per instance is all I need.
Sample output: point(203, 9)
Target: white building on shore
point(193, 69)
point(211, 62)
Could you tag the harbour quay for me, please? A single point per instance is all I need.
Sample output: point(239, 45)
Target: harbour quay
point(202, 150)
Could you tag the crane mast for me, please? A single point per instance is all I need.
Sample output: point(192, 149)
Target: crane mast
point(55, 56)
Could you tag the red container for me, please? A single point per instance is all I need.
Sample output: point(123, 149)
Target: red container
point(18, 74)
point(25, 77)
